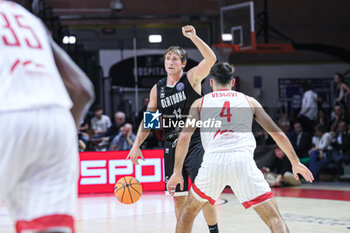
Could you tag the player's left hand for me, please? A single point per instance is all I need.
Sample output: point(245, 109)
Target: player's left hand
point(133, 155)
point(302, 170)
point(189, 31)
point(174, 180)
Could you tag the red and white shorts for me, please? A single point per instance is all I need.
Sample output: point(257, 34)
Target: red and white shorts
point(38, 168)
point(236, 169)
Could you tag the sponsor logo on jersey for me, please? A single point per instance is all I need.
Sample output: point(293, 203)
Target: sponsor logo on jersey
point(180, 86)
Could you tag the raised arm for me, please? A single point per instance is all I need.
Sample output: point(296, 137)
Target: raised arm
point(142, 133)
point(182, 148)
point(199, 72)
point(280, 138)
point(78, 85)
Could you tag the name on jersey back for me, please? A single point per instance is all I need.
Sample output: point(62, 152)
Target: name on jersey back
point(223, 94)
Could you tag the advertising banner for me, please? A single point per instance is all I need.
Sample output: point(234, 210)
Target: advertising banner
point(99, 171)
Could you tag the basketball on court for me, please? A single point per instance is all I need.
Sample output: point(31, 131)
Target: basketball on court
point(128, 190)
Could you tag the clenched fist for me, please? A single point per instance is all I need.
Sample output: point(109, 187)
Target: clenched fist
point(189, 31)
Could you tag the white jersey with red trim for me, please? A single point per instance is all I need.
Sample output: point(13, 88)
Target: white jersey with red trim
point(28, 75)
point(232, 109)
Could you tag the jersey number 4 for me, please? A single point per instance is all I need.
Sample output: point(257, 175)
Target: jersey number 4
point(225, 111)
point(11, 38)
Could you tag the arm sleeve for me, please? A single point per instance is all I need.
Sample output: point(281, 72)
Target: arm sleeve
point(313, 141)
point(115, 141)
point(108, 122)
point(325, 141)
point(93, 124)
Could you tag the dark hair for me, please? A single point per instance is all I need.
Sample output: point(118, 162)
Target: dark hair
point(306, 86)
point(320, 128)
point(222, 73)
point(179, 51)
point(341, 77)
point(97, 108)
point(298, 122)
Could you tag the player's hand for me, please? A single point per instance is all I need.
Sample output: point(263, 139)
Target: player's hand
point(174, 180)
point(134, 154)
point(189, 31)
point(299, 168)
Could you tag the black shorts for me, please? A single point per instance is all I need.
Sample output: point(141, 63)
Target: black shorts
point(191, 165)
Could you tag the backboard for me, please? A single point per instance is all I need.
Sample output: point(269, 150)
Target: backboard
point(237, 25)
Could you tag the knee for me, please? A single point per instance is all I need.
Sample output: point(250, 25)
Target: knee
point(190, 210)
point(209, 208)
point(186, 215)
point(274, 221)
point(179, 201)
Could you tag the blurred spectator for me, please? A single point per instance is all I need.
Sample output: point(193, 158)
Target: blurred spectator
point(342, 90)
point(119, 122)
point(284, 123)
point(321, 152)
point(339, 115)
point(99, 123)
point(81, 146)
point(83, 130)
point(300, 140)
point(261, 136)
point(323, 118)
point(283, 118)
point(285, 126)
point(112, 131)
point(322, 101)
point(308, 112)
point(279, 172)
point(341, 146)
point(124, 140)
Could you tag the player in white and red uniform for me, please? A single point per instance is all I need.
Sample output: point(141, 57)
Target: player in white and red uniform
point(232, 144)
point(38, 145)
point(228, 157)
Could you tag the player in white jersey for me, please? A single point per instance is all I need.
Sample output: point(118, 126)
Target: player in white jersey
point(228, 157)
point(38, 141)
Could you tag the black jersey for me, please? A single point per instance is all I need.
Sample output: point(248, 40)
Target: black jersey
point(174, 103)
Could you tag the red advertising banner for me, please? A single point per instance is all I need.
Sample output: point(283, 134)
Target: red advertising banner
point(99, 171)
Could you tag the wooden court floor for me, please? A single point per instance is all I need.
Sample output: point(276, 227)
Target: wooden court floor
point(321, 208)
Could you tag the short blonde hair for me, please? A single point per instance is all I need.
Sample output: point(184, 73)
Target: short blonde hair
point(179, 51)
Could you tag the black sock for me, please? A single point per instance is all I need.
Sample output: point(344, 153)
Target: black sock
point(213, 228)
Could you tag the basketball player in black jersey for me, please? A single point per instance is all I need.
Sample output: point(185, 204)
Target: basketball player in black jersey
point(173, 97)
